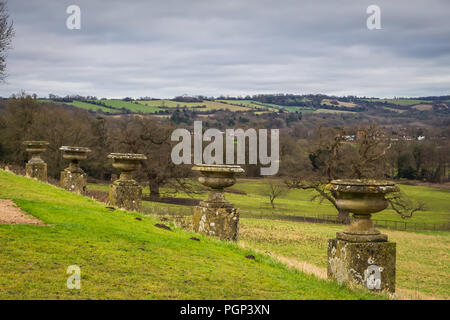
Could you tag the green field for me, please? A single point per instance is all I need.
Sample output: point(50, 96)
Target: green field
point(400, 102)
point(205, 105)
point(90, 106)
point(123, 255)
point(133, 107)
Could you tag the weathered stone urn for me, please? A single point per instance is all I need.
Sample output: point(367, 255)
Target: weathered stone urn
point(216, 216)
point(36, 167)
point(74, 178)
point(125, 192)
point(361, 254)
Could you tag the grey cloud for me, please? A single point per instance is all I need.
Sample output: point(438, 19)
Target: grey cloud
point(167, 48)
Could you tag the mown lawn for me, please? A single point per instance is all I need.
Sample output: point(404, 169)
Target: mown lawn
point(124, 257)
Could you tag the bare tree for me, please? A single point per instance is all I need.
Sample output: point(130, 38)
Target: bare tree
point(273, 190)
point(6, 34)
point(333, 157)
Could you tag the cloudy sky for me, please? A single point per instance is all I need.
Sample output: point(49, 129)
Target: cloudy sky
point(235, 47)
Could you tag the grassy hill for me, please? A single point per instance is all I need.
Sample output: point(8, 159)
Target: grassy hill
point(124, 257)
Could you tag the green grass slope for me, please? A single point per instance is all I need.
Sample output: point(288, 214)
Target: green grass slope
point(123, 257)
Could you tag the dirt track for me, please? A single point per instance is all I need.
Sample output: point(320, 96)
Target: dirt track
point(11, 214)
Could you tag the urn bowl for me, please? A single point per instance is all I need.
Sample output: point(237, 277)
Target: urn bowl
point(74, 153)
point(217, 176)
point(126, 162)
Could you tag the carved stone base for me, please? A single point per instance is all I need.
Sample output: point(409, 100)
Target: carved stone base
point(125, 194)
point(222, 222)
point(371, 264)
point(74, 181)
point(36, 170)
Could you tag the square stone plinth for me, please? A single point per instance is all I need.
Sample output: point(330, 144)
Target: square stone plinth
point(74, 181)
point(36, 170)
point(219, 222)
point(126, 195)
point(371, 264)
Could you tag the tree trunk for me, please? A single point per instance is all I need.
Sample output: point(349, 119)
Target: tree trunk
point(343, 217)
point(154, 189)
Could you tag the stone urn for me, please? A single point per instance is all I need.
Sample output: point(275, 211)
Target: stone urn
point(126, 163)
point(362, 197)
point(217, 177)
point(74, 178)
point(36, 167)
point(125, 192)
point(216, 216)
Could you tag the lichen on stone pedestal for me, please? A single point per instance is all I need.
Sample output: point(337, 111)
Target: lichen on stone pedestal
point(73, 178)
point(36, 170)
point(215, 220)
point(74, 181)
point(125, 194)
point(370, 264)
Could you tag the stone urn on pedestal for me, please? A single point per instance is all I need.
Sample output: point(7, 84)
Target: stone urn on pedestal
point(216, 216)
point(36, 167)
point(125, 192)
point(361, 254)
point(74, 178)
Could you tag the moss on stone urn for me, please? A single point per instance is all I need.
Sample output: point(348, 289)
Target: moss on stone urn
point(362, 197)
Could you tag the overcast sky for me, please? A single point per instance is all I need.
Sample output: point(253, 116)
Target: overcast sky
point(173, 47)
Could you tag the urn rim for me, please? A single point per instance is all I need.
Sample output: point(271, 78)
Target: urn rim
point(362, 186)
point(127, 156)
point(218, 168)
point(75, 149)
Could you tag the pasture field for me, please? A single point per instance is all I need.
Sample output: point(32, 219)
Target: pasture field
point(423, 259)
point(124, 255)
point(400, 102)
point(90, 106)
point(210, 105)
point(133, 107)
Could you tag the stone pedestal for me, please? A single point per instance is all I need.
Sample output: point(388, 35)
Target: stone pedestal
point(217, 219)
point(371, 264)
point(74, 181)
point(125, 194)
point(73, 178)
point(216, 216)
point(36, 170)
